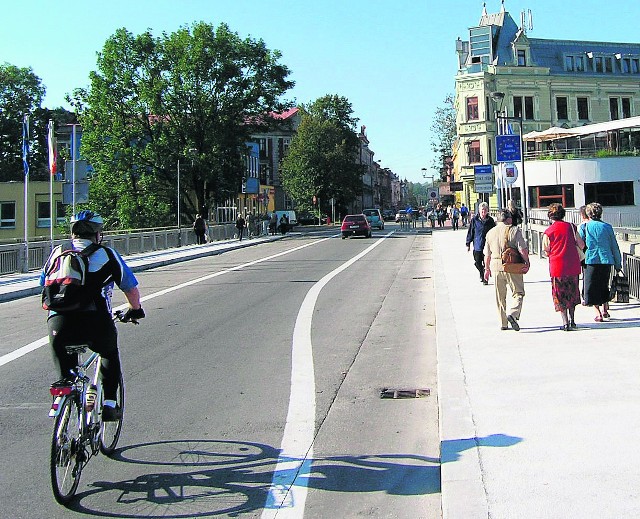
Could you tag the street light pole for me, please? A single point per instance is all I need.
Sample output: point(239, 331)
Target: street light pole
point(499, 97)
point(179, 230)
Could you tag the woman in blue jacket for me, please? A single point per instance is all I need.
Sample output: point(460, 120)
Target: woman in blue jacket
point(602, 253)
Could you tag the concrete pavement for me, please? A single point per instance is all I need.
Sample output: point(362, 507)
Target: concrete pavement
point(539, 423)
point(534, 424)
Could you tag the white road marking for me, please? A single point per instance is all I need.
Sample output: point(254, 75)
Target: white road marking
point(20, 352)
point(288, 493)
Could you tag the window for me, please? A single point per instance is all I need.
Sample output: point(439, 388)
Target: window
point(626, 107)
point(522, 58)
point(518, 103)
point(562, 108)
point(583, 108)
point(625, 65)
point(597, 61)
point(475, 157)
point(579, 63)
point(569, 63)
point(472, 108)
point(608, 65)
point(610, 193)
point(544, 196)
point(614, 113)
point(43, 218)
point(635, 66)
point(61, 213)
point(7, 215)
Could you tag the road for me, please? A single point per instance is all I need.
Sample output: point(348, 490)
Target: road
point(255, 371)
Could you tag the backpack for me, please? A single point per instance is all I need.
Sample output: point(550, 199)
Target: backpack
point(65, 281)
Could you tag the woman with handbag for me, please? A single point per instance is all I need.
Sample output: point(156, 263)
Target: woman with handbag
point(561, 242)
point(602, 253)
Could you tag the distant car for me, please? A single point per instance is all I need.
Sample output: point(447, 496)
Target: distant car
point(355, 225)
point(375, 218)
point(401, 215)
point(309, 218)
point(388, 215)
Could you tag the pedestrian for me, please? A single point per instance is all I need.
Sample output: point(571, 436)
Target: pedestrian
point(479, 225)
point(515, 211)
point(240, 225)
point(273, 223)
point(455, 217)
point(284, 224)
point(561, 242)
point(501, 236)
point(200, 229)
point(602, 253)
point(464, 214)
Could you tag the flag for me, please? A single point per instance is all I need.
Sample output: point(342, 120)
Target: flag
point(25, 144)
point(53, 150)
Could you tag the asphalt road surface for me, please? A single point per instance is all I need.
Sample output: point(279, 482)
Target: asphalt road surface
point(252, 389)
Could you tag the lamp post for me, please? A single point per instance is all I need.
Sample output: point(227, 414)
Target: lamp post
point(498, 98)
point(179, 231)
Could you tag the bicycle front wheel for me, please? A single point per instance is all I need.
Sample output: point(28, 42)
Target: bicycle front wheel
point(67, 453)
point(110, 431)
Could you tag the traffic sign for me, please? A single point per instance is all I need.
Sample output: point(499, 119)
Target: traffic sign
point(508, 148)
point(483, 178)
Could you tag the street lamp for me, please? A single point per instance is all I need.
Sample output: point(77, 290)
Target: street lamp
point(498, 98)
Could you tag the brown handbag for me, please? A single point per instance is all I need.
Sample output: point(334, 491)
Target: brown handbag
point(512, 261)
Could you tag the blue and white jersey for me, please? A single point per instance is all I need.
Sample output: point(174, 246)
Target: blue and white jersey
point(106, 268)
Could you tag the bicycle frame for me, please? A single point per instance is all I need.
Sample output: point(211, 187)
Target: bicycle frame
point(79, 386)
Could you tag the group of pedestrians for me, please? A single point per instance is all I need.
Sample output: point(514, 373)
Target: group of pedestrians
point(590, 249)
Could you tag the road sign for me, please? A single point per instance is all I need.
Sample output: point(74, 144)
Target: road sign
point(508, 148)
point(483, 178)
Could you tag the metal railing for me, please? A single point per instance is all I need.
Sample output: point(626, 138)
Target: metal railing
point(12, 256)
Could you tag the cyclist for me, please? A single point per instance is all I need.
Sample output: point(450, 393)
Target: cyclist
point(93, 325)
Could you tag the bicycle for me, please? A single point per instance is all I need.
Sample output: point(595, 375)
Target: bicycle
point(79, 432)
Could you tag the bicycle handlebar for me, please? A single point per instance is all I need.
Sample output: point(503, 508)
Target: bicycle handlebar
point(121, 316)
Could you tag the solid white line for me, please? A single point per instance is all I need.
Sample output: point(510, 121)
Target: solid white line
point(20, 352)
point(288, 493)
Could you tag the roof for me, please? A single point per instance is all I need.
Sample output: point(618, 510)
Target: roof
point(588, 129)
point(286, 114)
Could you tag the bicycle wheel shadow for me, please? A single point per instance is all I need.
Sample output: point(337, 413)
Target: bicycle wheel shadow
point(209, 478)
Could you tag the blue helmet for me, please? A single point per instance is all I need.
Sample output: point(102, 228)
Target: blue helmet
point(86, 223)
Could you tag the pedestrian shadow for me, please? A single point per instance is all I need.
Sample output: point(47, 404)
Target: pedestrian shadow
point(212, 478)
point(450, 449)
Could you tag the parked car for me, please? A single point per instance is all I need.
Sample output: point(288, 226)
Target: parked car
point(388, 214)
point(401, 215)
point(355, 225)
point(374, 217)
point(309, 218)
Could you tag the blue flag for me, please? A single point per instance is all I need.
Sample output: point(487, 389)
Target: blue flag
point(25, 145)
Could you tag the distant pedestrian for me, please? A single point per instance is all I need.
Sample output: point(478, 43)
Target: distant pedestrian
point(498, 238)
point(561, 242)
point(602, 253)
point(516, 213)
point(464, 215)
point(200, 229)
point(455, 217)
point(284, 224)
point(479, 226)
point(240, 225)
point(273, 223)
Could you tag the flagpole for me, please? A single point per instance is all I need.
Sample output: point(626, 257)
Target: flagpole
point(51, 143)
point(73, 169)
point(25, 156)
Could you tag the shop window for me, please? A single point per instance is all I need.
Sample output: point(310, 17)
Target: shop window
point(610, 193)
point(544, 196)
point(7, 215)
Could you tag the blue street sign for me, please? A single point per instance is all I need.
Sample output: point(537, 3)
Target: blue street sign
point(508, 148)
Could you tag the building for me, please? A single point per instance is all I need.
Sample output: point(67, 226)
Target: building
point(536, 84)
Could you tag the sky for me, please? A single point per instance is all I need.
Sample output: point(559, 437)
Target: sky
point(394, 60)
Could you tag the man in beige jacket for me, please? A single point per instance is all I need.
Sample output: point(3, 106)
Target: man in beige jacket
point(505, 235)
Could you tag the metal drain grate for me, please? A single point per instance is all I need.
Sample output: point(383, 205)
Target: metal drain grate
point(389, 392)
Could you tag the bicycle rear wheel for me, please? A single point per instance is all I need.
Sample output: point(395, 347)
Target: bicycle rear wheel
point(67, 453)
point(110, 431)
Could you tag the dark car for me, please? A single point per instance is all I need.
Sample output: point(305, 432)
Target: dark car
point(355, 225)
point(309, 218)
point(388, 214)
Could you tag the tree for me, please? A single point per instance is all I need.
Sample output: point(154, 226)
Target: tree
point(21, 93)
point(322, 157)
point(195, 95)
point(444, 132)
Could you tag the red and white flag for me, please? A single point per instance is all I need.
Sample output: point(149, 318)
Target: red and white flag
point(53, 150)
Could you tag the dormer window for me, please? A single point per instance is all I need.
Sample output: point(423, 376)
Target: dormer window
point(522, 58)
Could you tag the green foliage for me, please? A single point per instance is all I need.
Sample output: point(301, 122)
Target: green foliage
point(322, 158)
point(193, 96)
point(444, 132)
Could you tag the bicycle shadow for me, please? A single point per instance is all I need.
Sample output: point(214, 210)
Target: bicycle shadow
point(208, 478)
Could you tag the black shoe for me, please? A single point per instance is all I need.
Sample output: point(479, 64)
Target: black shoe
point(565, 327)
point(513, 322)
point(504, 327)
point(111, 414)
point(485, 282)
point(572, 324)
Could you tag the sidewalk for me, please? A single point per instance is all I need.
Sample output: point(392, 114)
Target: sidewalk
point(535, 424)
point(15, 286)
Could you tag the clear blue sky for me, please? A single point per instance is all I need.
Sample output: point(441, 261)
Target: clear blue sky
point(393, 59)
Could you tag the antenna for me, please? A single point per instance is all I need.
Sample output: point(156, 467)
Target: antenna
point(530, 20)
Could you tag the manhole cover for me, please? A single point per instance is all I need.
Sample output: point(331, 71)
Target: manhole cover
point(389, 392)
